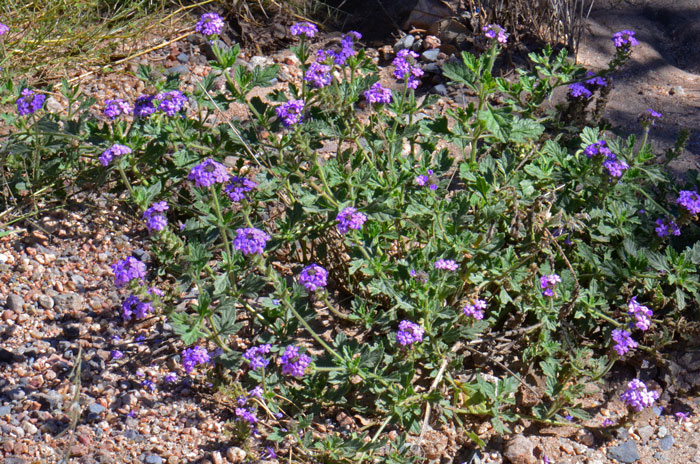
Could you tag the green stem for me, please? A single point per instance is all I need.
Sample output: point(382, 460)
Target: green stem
point(125, 179)
point(331, 308)
point(220, 218)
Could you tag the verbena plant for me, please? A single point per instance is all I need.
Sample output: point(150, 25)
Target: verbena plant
point(371, 254)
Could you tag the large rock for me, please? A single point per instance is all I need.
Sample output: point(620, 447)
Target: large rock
point(519, 450)
point(625, 452)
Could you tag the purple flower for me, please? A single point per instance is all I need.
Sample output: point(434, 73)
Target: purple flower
point(127, 270)
point(624, 39)
point(494, 31)
point(194, 356)
point(623, 341)
point(209, 24)
point(641, 313)
point(409, 333)
point(346, 50)
point(690, 200)
point(293, 363)
point(255, 356)
point(250, 241)
point(256, 392)
point(246, 415)
point(304, 28)
point(653, 114)
point(144, 106)
point(475, 309)
point(350, 218)
point(237, 188)
point(548, 282)
point(637, 396)
point(116, 354)
point(378, 94)
point(115, 150)
point(615, 166)
point(4, 29)
point(207, 173)
point(406, 68)
point(155, 219)
point(313, 277)
point(319, 75)
point(666, 227)
point(577, 90)
point(148, 384)
point(133, 307)
point(607, 422)
point(155, 291)
point(595, 81)
point(171, 102)
point(446, 264)
point(170, 377)
point(291, 112)
point(427, 179)
point(30, 102)
point(681, 416)
point(114, 108)
point(598, 148)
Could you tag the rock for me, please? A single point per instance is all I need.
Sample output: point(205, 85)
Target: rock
point(586, 437)
point(235, 454)
point(677, 90)
point(662, 432)
point(659, 456)
point(440, 89)
point(29, 428)
point(183, 58)
point(519, 449)
point(153, 459)
point(96, 409)
point(179, 69)
point(131, 434)
point(430, 55)
point(78, 280)
point(7, 356)
point(404, 42)
point(46, 301)
point(657, 410)
point(625, 452)
point(621, 433)
point(645, 432)
point(52, 399)
point(69, 302)
point(216, 458)
point(53, 105)
point(666, 442)
point(16, 394)
point(71, 331)
point(259, 62)
point(14, 302)
point(5, 411)
point(14, 460)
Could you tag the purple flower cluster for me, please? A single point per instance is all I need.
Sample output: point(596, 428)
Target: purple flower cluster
point(624, 39)
point(115, 150)
point(237, 188)
point(378, 94)
point(494, 31)
point(4, 29)
point(304, 28)
point(294, 363)
point(598, 148)
point(318, 74)
point(148, 384)
point(595, 81)
point(690, 200)
point(650, 117)
point(637, 396)
point(144, 106)
point(475, 309)
point(155, 217)
point(666, 227)
point(127, 270)
point(171, 102)
point(30, 102)
point(427, 179)
point(255, 356)
point(250, 241)
point(246, 415)
point(623, 341)
point(291, 112)
point(209, 24)
point(170, 377)
point(350, 218)
point(313, 277)
point(116, 354)
point(194, 356)
point(114, 108)
point(578, 90)
point(641, 313)
point(133, 307)
point(406, 68)
point(548, 282)
point(585, 90)
point(208, 173)
point(615, 166)
point(446, 265)
point(409, 333)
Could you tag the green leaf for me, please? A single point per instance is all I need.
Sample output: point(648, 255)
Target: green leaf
point(523, 130)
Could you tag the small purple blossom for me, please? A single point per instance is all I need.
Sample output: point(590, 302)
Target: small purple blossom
point(624, 39)
point(171, 102)
point(194, 356)
point(293, 363)
point(548, 282)
point(246, 415)
point(30, 102)
point(255, 356)
point(170, 377)
point(446, 264)
point(641, 313)
point(127, 270)
point(209, 24)
point(304, 28)
point(291, 112)
point(690, 200)
point(250, 241)
point(4, 29)
point(667, 226)
point(427, 179)
point(577, 90)
point(155, 291)
point(494, 31)
point(654, 114)
point(409, 333)
point(114, 108)
point(207, 173)
point(319, 75)
point(313, 277)
point(346, 47)
point(350, 218)
point(615, 166)
point(148, 384)
point(598, 148)
point(256, 392)
point(116, 354)
point(378, 94)
point(637, 396)
point(475, 309)
point(406, 69)
point(607, 422)
point(595, 81)
point(681, 416)
point(133, 307)
point(115, 150)
point(155, 217)
point(238, 187)
point(144, 106)
point(623, 341)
